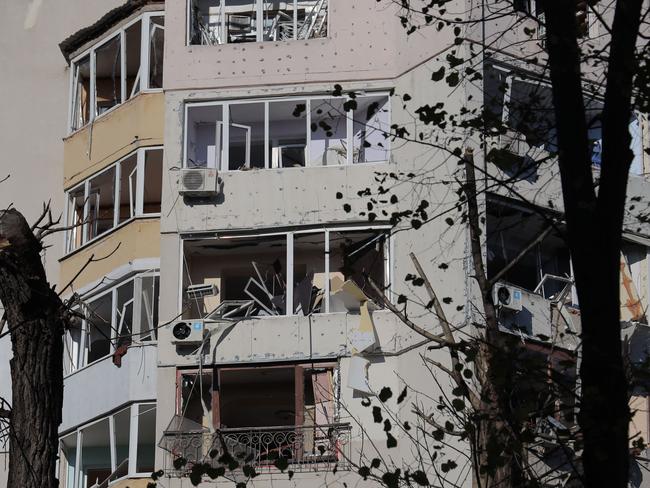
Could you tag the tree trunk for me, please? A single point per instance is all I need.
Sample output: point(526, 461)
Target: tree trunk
point(594, 225)
point(35, 317)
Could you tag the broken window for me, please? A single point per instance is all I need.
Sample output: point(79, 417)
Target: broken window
point(133, 38)
point(213, 22)
point(81, 93)
point(105, 451)
point(95, 453)
point(195, 392)
point(124, 311)
point(125, 314)
point(101, 203)
point(240, 17)
point(122, 421)
point(67, 460)
point(75, 217)
point(138, 193)
point(251, 397)
point(103, 78)
point(371, 128)
point(147, 291)
point(246, 136)
point(257, 397)
point(156, 51)
point(108, 76)
point(153, 172)
point(146, 447)
point(544, 390)
point(99, 330)
point(360, 256)
point(287, 133)
point(203, 136)
point(329, 123)
point(509, 232)
point(251, 272)
point(128, 187)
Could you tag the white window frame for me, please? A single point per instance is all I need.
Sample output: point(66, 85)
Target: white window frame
point(138, 204)
point(143, 73)
point(259, 25)
point(80, 350)
point(222, 143)
point(79, 480)
point(289, 268)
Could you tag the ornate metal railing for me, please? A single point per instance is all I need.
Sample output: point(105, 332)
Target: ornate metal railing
point(265, 449)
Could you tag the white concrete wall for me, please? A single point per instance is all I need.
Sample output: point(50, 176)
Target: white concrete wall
point(102, 387)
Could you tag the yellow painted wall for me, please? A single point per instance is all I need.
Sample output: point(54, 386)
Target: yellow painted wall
point(136, 123)
point(137, 239)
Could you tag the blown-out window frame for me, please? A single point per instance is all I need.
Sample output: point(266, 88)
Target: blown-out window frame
point(222, 141)
point(143, 76)
point(136, 201)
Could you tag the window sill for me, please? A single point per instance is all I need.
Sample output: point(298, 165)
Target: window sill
point(98, 238)
point(256, 169)
point(73, 132)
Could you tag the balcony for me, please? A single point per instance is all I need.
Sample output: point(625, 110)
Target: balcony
point(268, 450)
point(105, 387)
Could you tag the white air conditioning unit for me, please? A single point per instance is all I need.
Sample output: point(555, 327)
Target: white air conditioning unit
point(507, 296)
point(188, 332)
point(198, 181)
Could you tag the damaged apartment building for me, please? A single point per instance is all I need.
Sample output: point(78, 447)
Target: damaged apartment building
point(221, 252)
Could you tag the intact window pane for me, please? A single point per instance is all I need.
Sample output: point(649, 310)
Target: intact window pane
point(98, 323)
point(76, 201)
point(204, 132)
point(152, 181)
point(287, 133)
point(156, 51)
point(133, 75)
point(108, 80)
point(246, 136)
point(96, 453)
point(205, 22)
point(101, 203)
point(146, 438)
point(370, 130)
point(128, 187)
point(240, 20)
point(328, 132)
point(81, 98)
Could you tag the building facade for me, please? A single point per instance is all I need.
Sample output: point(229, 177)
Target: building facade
point(237, 207)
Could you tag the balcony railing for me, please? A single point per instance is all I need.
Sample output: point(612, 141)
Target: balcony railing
point(265, 449)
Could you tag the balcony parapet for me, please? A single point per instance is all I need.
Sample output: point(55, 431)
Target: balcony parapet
point(267, 450)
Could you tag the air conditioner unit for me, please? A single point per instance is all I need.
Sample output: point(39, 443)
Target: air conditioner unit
point(188, 332)
point(198, 181)
point(506, 296)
